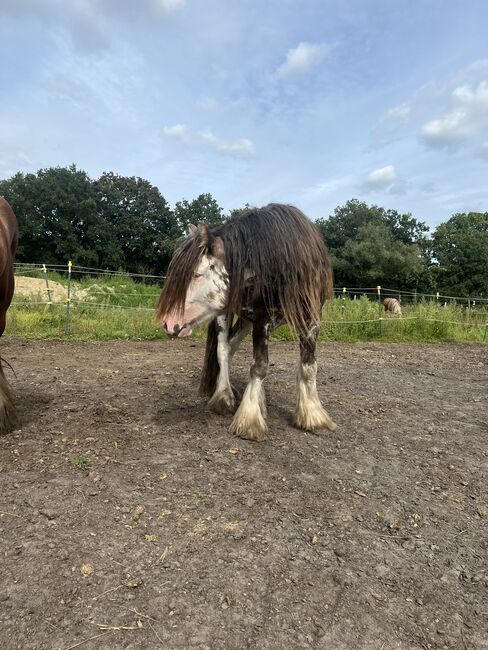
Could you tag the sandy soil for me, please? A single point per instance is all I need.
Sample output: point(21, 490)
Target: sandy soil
point(130, 518)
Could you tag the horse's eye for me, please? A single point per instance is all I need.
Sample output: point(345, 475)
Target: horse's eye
point(197, 275)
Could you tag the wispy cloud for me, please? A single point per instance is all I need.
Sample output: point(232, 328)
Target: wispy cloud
point(468, 117)
point(166, 7)
point(302, 59)
point(240, 148)
point(400, 112)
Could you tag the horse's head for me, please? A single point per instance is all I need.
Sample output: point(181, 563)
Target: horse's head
point(197, 285)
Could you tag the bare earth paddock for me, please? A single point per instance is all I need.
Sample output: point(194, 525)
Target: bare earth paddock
point(130, 518)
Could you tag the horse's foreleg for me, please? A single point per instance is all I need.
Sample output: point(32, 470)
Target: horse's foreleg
point(223, 400)
point(250, 419)
point(310, 414)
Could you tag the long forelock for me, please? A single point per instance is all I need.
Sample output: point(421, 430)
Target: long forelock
point(179, 275)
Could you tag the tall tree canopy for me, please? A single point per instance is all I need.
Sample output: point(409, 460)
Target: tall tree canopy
point(460, 248)
point(204, 208)
point(140, 219)
point(114, 222)
point(58, 218)
point(370, 245)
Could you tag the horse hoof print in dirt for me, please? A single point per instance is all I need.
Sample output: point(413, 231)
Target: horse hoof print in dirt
point(257, 270)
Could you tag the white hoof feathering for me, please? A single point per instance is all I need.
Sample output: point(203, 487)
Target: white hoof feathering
point(310, 414)
point(250, 419)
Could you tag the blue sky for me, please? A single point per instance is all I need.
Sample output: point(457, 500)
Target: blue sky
point(310, 102)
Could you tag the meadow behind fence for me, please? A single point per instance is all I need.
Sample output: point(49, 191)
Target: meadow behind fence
point(95, 304)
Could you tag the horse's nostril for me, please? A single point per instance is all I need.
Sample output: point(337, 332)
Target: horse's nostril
point(165, 327)
point(176, 329)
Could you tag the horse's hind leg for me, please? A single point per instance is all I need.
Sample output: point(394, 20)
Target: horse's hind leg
point(250, 419)
point(7, 409)
point(310, 414)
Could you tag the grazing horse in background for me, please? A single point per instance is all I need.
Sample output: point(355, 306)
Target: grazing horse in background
point(8, 245)
point(257, 270)
point(392, 305)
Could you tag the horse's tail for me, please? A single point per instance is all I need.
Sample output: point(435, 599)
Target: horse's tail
point(210, 370)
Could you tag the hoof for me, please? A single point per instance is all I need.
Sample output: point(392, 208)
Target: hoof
point(223, 403)
point(313, 419)
point(255, 431)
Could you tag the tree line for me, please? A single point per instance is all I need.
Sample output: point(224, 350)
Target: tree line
point(125, 223)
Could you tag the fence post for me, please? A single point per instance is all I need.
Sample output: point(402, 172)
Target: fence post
point(49, 301)
point(380, 311)
point(344, 291)
point(68, 300)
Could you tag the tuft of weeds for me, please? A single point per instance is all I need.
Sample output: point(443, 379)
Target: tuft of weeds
point(81, 462)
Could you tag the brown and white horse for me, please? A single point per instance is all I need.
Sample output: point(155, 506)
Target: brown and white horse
point(257, 270)
point(8, 245)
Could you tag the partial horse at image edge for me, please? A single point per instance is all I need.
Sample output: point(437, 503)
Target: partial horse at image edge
point(8, 246)
point(257, 270)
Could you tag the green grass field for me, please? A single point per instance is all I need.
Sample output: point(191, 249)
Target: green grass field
point(117, 307)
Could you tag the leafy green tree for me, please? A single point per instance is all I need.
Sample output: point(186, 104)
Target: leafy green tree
point(140, 219)
point(375, 257)
point(204, 208)
point(58, 219)
point(370, 245)
point(460, 248)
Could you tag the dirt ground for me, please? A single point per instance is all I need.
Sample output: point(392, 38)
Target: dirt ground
point(130, 518)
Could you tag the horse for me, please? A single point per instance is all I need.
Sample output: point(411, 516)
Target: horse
point(257, 270)
point(392, 305)
point(8, 246)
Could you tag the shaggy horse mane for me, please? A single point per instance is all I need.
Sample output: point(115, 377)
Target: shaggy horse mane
point(274, 256)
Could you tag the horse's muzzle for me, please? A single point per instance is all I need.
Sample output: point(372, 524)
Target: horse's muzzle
point(177, 330)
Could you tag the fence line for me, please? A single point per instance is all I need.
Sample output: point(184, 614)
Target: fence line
point(87, 270)
point(78, 304)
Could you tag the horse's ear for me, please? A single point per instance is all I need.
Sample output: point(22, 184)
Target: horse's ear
point(192, 230)
point(204, 234)
point(217, 248)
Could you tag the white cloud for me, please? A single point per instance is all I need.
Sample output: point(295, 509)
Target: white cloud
point(400, 112)
point(178, 131)
point(381, 178)
point(468, 117)
point(166, 7)
point(302, 58)
point(240, 148)
point(385, 179)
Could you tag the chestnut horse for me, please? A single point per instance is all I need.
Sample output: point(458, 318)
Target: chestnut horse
point(8, 245)
point(257, 270)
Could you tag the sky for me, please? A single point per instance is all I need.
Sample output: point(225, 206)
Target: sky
point(308, 102)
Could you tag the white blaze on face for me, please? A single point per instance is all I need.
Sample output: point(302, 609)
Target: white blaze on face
point(206, 297)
